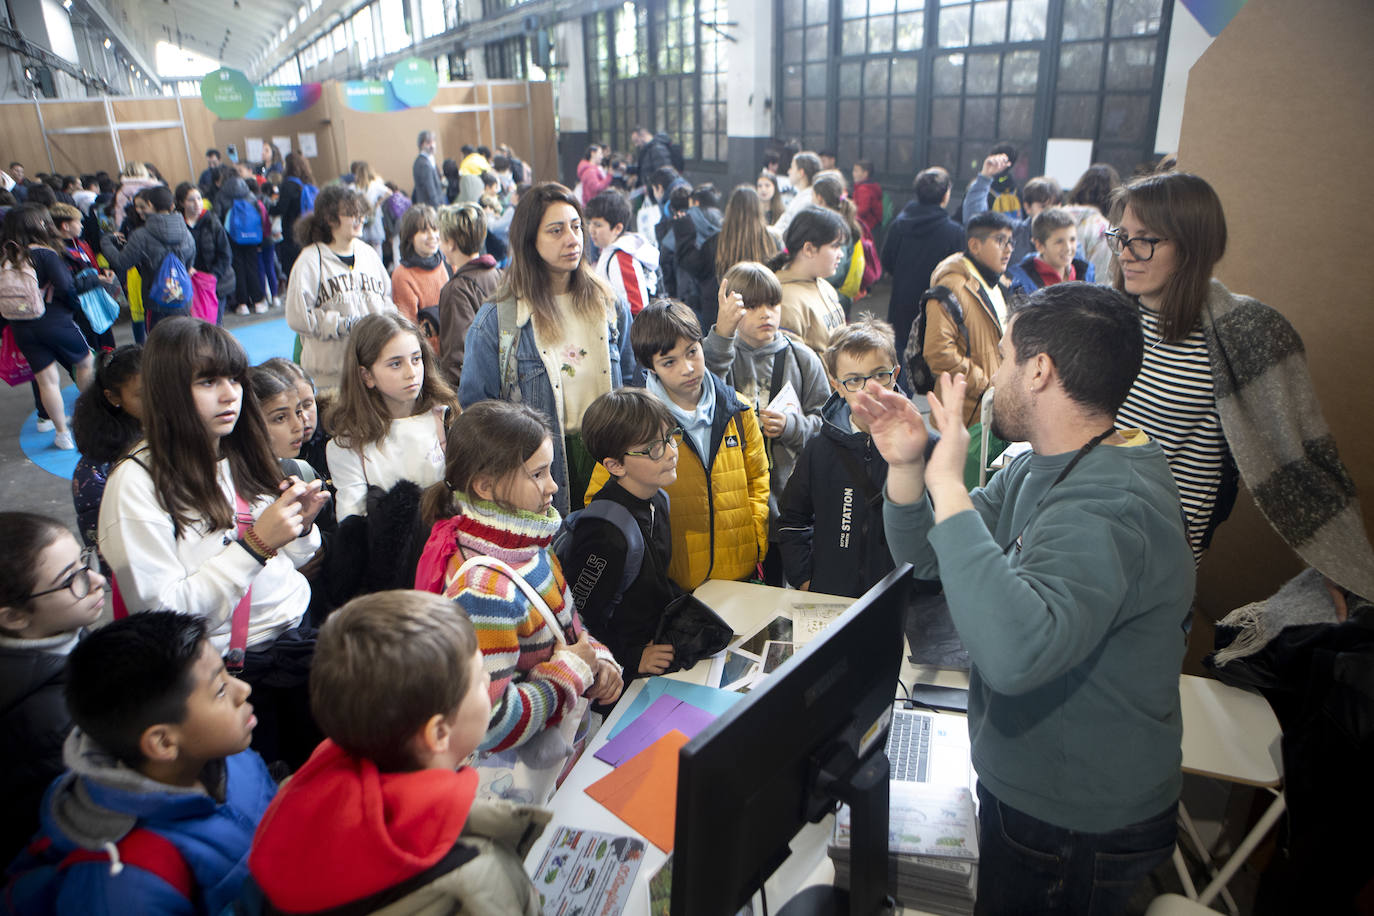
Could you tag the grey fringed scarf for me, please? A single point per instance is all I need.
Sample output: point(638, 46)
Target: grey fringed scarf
point(1283, 448)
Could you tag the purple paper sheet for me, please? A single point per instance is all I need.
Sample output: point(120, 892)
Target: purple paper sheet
point(664, 715)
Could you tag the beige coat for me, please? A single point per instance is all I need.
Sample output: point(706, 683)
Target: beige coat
point(945, 350)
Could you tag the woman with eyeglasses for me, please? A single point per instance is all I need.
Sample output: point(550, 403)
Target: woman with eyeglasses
point(1224, 387)
point(50, 591)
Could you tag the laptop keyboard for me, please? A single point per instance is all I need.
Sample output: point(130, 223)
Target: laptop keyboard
point(908, 746)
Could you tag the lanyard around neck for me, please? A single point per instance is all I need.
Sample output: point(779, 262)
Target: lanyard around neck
point(1092, 443)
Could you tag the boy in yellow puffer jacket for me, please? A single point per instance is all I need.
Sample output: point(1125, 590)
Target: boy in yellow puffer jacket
point(718, 508)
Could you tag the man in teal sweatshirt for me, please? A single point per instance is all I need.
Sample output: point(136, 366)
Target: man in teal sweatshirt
point(1070, 580)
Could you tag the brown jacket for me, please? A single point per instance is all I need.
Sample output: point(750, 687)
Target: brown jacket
point(945, 350)
point(461, 297)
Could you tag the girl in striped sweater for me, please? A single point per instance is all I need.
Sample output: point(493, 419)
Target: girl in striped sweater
point(496, 499)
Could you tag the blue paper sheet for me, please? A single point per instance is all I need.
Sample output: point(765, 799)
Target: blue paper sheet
point(707, 698)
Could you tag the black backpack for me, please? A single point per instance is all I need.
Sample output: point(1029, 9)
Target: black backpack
point(918, 370)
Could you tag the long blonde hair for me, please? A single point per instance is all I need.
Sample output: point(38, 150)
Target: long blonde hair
point(744, 236)
point(527, 277)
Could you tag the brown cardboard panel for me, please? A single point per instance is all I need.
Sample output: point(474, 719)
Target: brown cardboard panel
point(1276, 119)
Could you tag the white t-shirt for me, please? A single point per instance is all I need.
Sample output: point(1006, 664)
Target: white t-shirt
point(412, 450)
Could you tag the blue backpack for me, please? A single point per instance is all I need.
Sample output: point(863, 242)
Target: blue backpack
point(308, 194)
point(171, 289)
point(243, 222)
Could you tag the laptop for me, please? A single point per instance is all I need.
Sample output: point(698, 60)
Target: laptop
point(929, 747)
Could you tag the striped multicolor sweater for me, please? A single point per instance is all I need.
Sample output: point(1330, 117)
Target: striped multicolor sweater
point(532, 682)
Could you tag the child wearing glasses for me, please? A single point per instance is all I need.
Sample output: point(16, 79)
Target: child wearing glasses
point(719, 502)
point(50, 591)
point(636, 439)
point(747, 348)
point(830, 522)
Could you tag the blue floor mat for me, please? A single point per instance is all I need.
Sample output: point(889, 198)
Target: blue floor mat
point(263, 340)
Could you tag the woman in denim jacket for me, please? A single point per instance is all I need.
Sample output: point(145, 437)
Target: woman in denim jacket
point(554, 336)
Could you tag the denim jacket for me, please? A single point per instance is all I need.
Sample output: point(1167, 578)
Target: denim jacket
point(481, 377)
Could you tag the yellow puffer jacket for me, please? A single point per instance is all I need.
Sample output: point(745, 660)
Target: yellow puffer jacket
point(720, 526)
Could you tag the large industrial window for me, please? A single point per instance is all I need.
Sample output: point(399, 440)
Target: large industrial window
point(660, 64)
point(911, 83)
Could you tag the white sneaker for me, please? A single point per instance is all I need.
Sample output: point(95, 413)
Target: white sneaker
point(260, 307)
point(63, 441)
point(276, 302)
point(46, 426)
point(241, 310)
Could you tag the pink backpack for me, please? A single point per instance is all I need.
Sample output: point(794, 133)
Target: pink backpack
point(20, 297)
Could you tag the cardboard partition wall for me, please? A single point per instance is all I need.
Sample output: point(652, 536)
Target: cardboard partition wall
point(1277, 119)
point(174, 134)
point(505, 111)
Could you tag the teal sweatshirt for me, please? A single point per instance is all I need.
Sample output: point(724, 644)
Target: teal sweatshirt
point(1076, 638)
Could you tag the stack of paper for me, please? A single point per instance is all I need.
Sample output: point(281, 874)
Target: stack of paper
point(932, 847)
point(642, 791)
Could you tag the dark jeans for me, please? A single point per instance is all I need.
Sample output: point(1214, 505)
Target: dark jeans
point(247, 275)
point(1026, 865)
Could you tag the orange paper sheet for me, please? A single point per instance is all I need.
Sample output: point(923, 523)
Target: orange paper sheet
point(642, 791)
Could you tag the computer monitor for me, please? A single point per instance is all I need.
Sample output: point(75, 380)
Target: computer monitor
point(811, 735)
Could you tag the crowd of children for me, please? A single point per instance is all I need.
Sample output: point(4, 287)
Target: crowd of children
point(411, 595)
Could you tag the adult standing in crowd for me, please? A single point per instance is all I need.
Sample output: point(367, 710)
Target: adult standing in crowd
point(653, 152)
point(428, 189)
point(206, 182)
point(919, 238)
point(337, 280)
point(571, 337)
point(133, 178)
point(1069, 581)
point(1225, 389)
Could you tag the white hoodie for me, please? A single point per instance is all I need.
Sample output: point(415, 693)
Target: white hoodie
point(324, 295)
point(631, 265)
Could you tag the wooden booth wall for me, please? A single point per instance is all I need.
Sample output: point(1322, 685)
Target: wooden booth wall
point(93, 148)
point(520, 114)
point(1272, 119)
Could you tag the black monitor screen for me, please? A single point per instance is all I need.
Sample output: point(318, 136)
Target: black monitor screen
point(745, 783)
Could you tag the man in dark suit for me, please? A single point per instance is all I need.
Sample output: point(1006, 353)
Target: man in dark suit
point(428, 189)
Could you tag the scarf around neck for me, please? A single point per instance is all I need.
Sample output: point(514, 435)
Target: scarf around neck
point(482, 527)
point(413, 260)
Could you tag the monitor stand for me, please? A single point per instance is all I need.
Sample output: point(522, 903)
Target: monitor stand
point(865, 789)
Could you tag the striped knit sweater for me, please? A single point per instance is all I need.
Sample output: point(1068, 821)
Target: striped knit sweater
point(532, 682)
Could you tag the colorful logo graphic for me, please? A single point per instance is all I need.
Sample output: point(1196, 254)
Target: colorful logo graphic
point(415, 82)
point(281, 101)
point(227, 93)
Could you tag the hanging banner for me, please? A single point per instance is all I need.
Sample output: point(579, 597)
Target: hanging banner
point(413, 85)
point(282, 101)
point(227, 93)
point(415, 82)
point(371, 96)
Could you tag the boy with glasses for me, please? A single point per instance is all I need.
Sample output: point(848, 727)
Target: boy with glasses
point(830, 524)
point(635, 437)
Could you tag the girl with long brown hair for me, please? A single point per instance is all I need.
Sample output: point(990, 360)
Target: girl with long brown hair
point(388, 423)
point(553, 337)
point(199, 519)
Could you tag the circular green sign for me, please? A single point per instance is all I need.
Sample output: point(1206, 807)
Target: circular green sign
point(415, 83)
point(227, 93)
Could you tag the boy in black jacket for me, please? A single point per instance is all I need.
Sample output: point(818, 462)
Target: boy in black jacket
point(830, 517)
point(635, 437)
